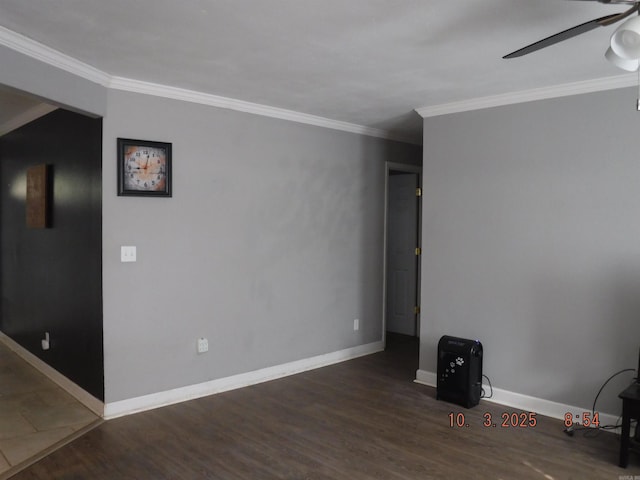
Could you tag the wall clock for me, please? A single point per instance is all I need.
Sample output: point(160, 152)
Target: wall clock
point(144, 168)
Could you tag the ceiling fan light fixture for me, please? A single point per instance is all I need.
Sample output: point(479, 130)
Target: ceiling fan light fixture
point(623, 63)
point(625, 41)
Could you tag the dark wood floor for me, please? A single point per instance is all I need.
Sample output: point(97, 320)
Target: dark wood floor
point(362, 419)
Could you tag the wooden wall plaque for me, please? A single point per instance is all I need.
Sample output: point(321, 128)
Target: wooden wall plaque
point(37, 197)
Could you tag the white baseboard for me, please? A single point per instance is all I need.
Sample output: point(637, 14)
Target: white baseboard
point(424, 377)
point(84, 397)
point(526, 402)
point(177, 395)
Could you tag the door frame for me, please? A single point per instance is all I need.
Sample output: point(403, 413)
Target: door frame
point(398, 167)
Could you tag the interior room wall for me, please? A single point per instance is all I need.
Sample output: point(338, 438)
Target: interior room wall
point(54, 85)
point(270, 247)
point(51, 278)
point(532, 243)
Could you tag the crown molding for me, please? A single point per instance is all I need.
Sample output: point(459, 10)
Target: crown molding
point(567, 89)
point(52, 57)
point(25, 117)
point(193, 96)
point(48, 55)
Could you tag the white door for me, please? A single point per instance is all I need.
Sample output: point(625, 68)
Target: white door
point(402, 262)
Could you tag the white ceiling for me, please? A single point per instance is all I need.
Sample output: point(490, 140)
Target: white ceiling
point(366, 62)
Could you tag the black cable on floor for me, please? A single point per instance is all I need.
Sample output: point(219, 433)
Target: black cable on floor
point(570, 430)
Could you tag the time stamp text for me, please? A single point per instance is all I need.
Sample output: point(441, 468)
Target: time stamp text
point(521, 420)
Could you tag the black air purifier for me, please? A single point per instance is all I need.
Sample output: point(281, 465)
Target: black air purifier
point(459, 371)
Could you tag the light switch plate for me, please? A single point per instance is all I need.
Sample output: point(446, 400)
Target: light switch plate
point(127, 254)
point(203, 345)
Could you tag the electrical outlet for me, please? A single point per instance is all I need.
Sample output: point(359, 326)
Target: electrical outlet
point(46, 343)
point(203, 345)
point(128, 254)
point(356, 324)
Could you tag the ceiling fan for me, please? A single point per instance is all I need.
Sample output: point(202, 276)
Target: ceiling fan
point(624, 51)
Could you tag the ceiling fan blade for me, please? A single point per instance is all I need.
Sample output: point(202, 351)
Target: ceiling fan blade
point(611, 2)
point(564, 35)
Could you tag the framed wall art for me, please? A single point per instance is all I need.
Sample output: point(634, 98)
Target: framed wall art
point(38, 202)
point(144, 168)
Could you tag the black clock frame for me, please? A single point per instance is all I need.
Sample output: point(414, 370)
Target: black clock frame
point(123, 143)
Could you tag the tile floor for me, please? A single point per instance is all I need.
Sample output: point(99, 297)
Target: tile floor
point(35, 414)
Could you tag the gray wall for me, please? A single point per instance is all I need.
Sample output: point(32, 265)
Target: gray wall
point(531, 232)
point(270, 247)
point(51, 84)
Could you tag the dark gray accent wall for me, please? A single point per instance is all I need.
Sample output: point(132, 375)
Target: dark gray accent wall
point(51, 279)
point(531, 233)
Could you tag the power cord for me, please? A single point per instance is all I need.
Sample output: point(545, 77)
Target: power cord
point(570, 430)
point(483, 395)
point(593, 409)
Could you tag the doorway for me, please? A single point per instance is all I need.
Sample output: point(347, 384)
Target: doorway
point(60, 266)
point(401, 324)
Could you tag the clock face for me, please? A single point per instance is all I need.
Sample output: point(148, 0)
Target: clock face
point(145, 168)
